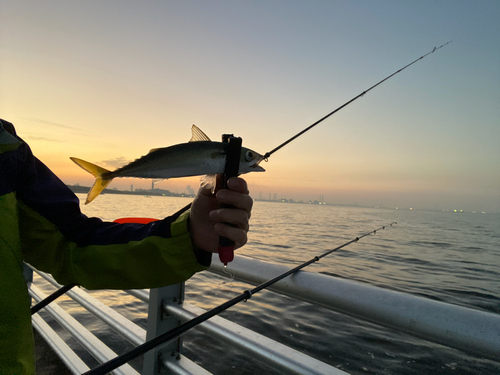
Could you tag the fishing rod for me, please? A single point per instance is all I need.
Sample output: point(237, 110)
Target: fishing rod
point(266, 156)
point(176, 332)
point(225, 246)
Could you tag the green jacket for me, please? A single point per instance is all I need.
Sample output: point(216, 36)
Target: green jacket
point(41, 224)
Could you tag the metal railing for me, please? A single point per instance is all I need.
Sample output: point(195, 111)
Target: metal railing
point(466, 329)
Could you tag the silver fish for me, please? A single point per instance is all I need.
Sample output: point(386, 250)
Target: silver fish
point(199, 156)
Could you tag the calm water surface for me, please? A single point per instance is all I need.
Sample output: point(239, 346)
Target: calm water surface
point(445, 256)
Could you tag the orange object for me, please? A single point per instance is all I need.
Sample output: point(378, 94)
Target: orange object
point(136, 220)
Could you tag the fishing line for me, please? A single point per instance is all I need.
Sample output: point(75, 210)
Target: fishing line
point(176, 332)
point(266, 156)
point(231, 275)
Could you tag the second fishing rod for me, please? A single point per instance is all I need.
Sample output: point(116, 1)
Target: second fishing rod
point(173, 334)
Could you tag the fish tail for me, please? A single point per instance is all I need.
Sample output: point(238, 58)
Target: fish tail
point(100, 174)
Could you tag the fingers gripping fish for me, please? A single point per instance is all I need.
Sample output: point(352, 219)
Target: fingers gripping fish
point(200, 156)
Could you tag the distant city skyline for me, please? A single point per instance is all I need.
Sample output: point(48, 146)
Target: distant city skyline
point(301, 198)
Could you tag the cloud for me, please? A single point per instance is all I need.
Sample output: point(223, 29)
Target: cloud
point(48, 133)
point(116, 162)
point(45, 122)
point(31, 137)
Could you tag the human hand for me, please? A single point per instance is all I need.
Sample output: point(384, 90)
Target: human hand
point(208, 221)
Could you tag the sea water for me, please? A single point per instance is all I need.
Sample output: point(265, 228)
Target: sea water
point(446, 256)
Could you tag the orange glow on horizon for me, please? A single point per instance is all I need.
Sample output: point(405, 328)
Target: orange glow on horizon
point(425, 138)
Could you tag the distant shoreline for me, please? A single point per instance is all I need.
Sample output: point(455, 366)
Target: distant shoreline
point(157, 192)
point(167, 193)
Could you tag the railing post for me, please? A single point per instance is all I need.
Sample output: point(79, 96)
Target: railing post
point(160, 322)
point(28, 276)
point(28, 273)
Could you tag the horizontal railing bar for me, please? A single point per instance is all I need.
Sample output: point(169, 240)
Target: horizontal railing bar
point(63, 351)
point(472, 331)
point(91, 343)
point(141, 294)
point(265, 350)
point(129, 330)
point(235, 334)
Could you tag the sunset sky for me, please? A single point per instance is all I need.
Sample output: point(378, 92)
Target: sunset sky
point(106, 81)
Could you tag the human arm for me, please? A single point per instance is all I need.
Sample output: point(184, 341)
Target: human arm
point(57, 238)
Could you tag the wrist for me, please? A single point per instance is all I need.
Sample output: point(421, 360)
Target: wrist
point(203, 257)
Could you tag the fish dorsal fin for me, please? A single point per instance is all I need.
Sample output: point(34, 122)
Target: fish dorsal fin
point(197, 135)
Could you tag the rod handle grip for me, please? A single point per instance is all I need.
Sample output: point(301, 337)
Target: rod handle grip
point(233, 151)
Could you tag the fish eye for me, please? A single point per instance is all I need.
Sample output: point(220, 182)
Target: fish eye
point(249, 155)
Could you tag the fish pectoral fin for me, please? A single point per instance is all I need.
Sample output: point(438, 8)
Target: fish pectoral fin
point(209, 181)
point(197, 135)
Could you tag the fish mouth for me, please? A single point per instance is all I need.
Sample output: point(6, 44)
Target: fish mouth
point(256, 167)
